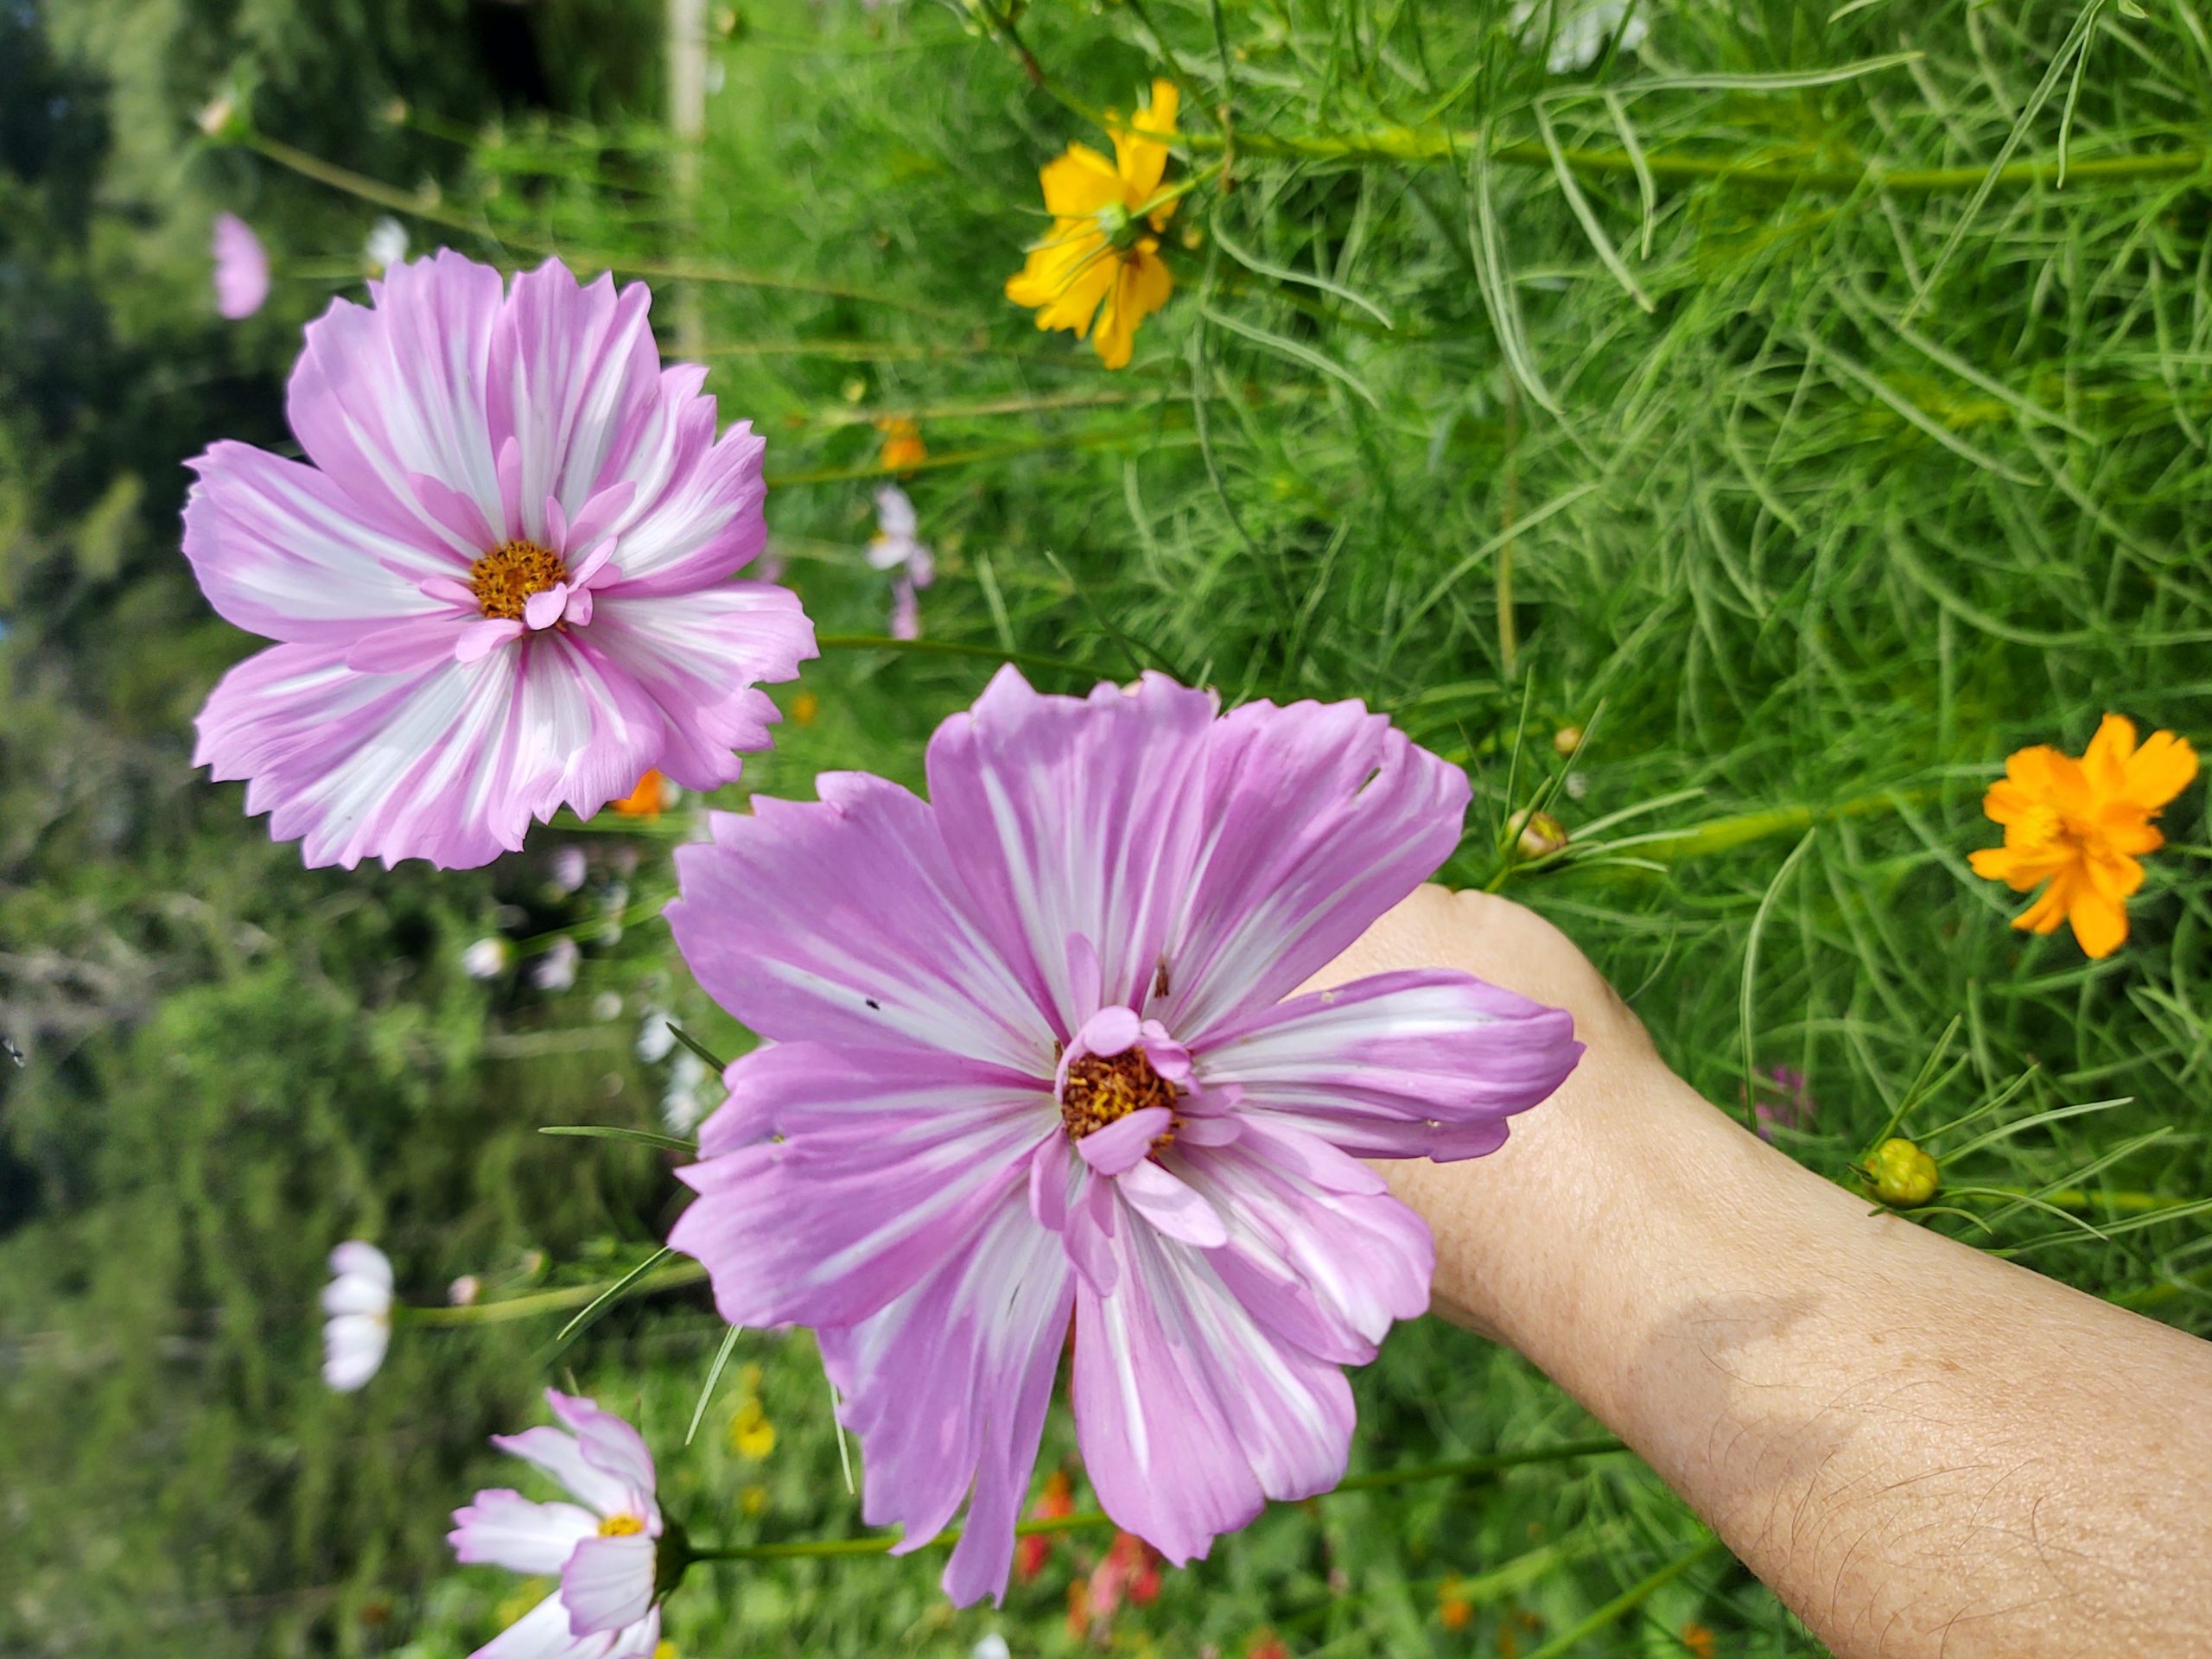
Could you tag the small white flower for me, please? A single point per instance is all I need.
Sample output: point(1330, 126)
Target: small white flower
point(557, 969)
point(387, 244)
point(655, 1037)
point(991, 1647)
point(486, 959)
point(570, 866)
point(679, 1102)
point(357, 1299)
point(607, 1005)
point(1581, 30)
point(895, 546)
point(464, 1291)
point(601, 1547)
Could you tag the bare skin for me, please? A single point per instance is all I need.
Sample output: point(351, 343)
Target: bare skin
point(1923, 1449)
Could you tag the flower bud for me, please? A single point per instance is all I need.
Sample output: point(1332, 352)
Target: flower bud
point(1538, 835)
point(1903, 1175)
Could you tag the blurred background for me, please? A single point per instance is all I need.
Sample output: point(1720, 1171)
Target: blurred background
point(1726, 427)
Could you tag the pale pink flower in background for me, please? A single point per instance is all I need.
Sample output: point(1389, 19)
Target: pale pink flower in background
point(905, 611)
point(602, 1547)
point(896, 547)
point(486, 958)
point(1032, 1060)
point(464, 1291)
point(241, 268)
point(358, 1301)
point(500, 583)
point(557, 969)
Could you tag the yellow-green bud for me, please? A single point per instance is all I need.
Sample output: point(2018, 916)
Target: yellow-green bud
point(1903, 1175)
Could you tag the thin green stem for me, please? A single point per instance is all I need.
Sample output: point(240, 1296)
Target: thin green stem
point(1627, 1601)
point(428, 205)
point(1434, 143)
point(957, 648)
point(882, 1543)
point(528, 1306)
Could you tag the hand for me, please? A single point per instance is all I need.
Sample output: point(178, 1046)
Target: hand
point(1924, 1449)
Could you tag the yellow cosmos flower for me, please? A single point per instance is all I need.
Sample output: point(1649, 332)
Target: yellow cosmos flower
point(2079, 825)
point(1099, 273)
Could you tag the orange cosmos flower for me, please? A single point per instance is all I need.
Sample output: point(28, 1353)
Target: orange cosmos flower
point(1099, 273)
point(2079, 825)
point(903, 448)
point(653, 795)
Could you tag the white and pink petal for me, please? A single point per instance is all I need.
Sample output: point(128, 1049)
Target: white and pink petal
point(836, 1178)
point(1424, 1063)
point(947, 1388)
point(700, 658)
point(1317, 819)
point(1074, 816)
point(843, 921)
point(501, 1528)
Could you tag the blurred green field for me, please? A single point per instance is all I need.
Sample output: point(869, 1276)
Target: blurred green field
point(1762, 403)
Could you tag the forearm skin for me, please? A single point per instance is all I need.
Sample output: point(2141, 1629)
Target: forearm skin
point(1923, 1449)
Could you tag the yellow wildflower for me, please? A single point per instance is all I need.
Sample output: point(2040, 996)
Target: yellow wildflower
point(903, 448)
point(1099, 272)
point(2078, 825)
point(751, 1436)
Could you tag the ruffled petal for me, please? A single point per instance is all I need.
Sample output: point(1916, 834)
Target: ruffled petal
point(280, 551)
point(329, 752)
point(572, 371)
point(501, 1528)
point(844, 921)
point(353, 1346)
point(359, 1259)
point(541, 1633)
point(1317, 1253)
point(1190, 1414)
point(608, 1583)
point(612, 1447)
point(2159, 771)
point(2099, 920)
point(1424, 1063)
point(948, 1386)
point(695, 518)
point(1319, 819)
point(884, 1164)
point(698, 657)
point(562, 1456)
point(1070, 816)
point(398, 388)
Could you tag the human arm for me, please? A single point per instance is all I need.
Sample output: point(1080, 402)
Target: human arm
point(1923, 1449)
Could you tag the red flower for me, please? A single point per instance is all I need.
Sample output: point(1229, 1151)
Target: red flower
point(1055, 1500)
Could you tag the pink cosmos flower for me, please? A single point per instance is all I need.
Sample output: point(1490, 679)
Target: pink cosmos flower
point(1032, 1058)
point(603, 1546)
point(897, 547)
point(241, 268)
point(502, 584)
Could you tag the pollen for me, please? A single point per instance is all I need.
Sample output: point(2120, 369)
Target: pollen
point(620, 1526)
point(1104, 1089)
point(505, 578)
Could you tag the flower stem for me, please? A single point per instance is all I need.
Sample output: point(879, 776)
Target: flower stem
point(671, 1277)
point(1627, 1601)
point(882, 1543)
point(1441, 144)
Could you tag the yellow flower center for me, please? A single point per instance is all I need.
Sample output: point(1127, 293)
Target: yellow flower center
point(1104, 1089)
point(620, 1526)
point(505, 578)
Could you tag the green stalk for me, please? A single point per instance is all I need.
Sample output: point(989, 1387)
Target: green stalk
point(673, 1277)
point(1627, 1601)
